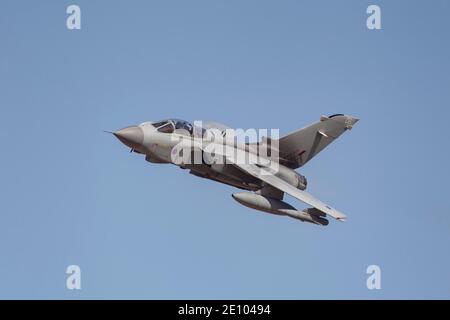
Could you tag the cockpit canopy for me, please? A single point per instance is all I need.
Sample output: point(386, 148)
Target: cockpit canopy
point(170, 125)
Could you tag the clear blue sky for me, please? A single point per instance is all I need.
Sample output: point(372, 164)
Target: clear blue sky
point(71, 194)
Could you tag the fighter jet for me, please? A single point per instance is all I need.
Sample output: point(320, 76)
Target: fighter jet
point(210, 151)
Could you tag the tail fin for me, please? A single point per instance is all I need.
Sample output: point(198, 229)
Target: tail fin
point(300, 146)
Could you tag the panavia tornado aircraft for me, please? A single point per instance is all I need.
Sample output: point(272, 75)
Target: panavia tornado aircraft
point(210, 151)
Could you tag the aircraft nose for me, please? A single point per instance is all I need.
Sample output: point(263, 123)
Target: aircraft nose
point(132, 137)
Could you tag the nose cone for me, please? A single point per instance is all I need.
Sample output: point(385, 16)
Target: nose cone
point(132, 137)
